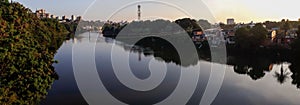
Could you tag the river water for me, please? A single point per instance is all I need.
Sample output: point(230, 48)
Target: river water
point(241, 85)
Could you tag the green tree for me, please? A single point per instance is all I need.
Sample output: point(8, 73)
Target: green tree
point(6, 1)
point(249, 38)
point(27, 48)
point(188, 25)
point(242, 37)
point(259, 33)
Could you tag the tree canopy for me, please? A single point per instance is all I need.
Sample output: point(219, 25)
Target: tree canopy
point(28, 45)
point(251, 37)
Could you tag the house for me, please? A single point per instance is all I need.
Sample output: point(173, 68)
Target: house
point(41, 13)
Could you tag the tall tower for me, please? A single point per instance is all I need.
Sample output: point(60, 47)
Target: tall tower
point(139, 12)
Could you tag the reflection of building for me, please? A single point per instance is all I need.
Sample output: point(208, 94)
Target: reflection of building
point(271, 67)
point(230, 21)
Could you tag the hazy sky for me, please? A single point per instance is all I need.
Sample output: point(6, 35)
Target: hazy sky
point(212, 10)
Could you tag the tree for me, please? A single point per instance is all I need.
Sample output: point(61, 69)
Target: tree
point(249, 38)
point(188, 25)
point(242, 37)
point(298, 31)
point(28, 45)
point(204, 24)
point(6, 1)
point(285, 26)
point(259, 33)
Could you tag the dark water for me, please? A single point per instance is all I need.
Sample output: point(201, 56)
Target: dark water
point(257, 82)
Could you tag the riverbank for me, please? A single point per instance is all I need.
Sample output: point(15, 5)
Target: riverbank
point(28, 45)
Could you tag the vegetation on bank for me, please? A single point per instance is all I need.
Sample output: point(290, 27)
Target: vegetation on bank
point(250, 55)
point(28, 45)
point(154, 27)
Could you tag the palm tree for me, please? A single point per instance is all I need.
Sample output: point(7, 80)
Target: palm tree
point(282, 76)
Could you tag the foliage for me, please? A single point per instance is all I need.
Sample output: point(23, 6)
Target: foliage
point(71, 27)
point(6, 1)
point(248, 38)
point(154, 27)
point(285, 26)
point(27, 51)
point(204, 24)
point(188, 25)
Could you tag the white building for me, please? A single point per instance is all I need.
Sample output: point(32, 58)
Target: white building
point(230, 21)
point(41, 13)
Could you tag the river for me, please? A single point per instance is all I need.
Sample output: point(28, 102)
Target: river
point(241, 84)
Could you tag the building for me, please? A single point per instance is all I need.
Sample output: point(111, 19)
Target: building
point(230, 21)
point(41, 13)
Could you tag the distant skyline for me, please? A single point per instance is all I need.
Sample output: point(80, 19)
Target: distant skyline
point(243, 11)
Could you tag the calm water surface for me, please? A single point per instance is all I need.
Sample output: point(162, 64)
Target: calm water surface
point(239, 87)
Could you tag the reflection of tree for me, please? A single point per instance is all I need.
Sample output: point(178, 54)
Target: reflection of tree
point(282, 76)
point(252, 66)
point(241, 69)
point(256, 73)
point(161, 48)
point(295, 67)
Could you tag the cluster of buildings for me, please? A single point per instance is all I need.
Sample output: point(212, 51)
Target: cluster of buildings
point(275, 35)
point(41, 13)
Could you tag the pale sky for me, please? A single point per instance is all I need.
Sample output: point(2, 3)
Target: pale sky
point(212, 10)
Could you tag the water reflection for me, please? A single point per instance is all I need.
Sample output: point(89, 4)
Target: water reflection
point(282, 75)
point(254, 66)
point(147, 51)
point(251, 80)
point(257, 66)
point(295, 69)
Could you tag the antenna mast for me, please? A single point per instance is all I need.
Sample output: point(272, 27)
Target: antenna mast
point(139, 12)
